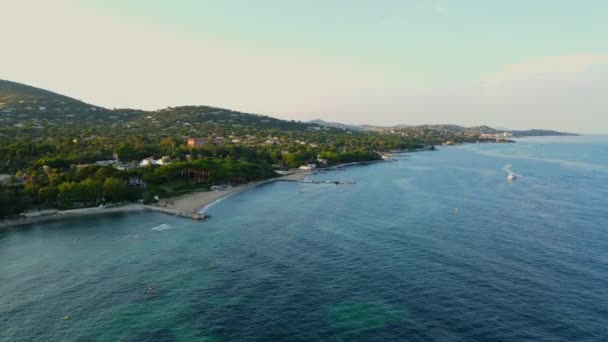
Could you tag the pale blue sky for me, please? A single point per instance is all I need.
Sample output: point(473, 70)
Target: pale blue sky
point(517, 64)
point(426, 41)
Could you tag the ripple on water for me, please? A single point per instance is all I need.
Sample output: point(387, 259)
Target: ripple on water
point(388, 259)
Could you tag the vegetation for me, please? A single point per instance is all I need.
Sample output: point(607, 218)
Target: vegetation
point(54, 150)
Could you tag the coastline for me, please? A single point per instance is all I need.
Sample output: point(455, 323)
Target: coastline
point(61, 214)
point(184, 206)
point(197, 202)
point(192, 206)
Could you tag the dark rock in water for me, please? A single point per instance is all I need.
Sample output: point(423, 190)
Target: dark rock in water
point(200, 217)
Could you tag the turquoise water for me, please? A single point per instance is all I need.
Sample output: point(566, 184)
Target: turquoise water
point(437, 246)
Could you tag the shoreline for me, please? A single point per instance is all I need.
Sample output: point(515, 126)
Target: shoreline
point(82, 212)
point(198, 202)
point(191, 206)
point(185, 206)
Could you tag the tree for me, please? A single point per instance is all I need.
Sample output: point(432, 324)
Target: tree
point(12, 201)
point(126, 153)
point(105, 173)
point(168, 145)
point(114, 190)
point(48, 195)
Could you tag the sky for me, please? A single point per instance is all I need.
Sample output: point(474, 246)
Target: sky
point(515, 64)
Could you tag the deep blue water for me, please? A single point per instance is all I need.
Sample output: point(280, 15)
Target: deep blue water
point(437, 246)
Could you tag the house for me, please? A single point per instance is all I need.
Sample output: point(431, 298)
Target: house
point(106, 162)
point(124, 166)
point(136, 182)
point(197, 142)
point(164, 160)
point(308, 167)
point(150, 161)
point(200, 142)
point(147, 162)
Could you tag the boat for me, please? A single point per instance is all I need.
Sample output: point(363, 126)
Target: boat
point(302, 190)
point(511, 176)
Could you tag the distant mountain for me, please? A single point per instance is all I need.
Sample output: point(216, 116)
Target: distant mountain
point(23, 103)
point(539, 133)
point(444, 128)
point(336, 125)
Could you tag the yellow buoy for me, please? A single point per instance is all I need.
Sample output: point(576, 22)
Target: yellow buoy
point(66, 317)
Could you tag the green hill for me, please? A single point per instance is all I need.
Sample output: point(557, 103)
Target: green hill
point(13, 93)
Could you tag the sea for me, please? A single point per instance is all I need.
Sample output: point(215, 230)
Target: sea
point(433, 246)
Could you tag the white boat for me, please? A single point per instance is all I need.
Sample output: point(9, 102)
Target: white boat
point(511, 176)
point(302, 190)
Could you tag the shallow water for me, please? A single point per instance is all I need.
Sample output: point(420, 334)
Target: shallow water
point(437, 246)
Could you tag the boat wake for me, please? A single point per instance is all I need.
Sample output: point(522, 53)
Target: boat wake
point(163, 227)
point(510, 174)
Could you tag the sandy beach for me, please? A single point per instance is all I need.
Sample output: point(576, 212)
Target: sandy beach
point(190, 205)
point(196, 202)
point(184, 206)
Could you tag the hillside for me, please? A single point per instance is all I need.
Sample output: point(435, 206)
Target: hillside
point(26, 102)
point(19, 96)
point(35, 110)
point(13, 93)
point(27, 111)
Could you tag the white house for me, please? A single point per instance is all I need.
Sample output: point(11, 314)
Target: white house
point(163, 161)
point(150, 161)
point(308, 167)
point(147, 162)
